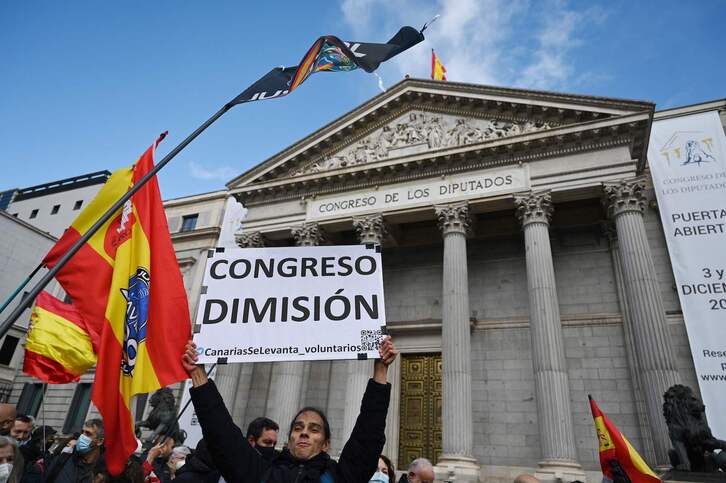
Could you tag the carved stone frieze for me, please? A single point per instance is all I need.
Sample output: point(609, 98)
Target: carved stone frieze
point(534, 207)
point(308, 235)
point(370, 228)
point(625, 195)
point(417, 132)
point(453, 218)
point(250, 239)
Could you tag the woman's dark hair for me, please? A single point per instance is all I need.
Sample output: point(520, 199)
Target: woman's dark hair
point(326, 424)
point(391, 468)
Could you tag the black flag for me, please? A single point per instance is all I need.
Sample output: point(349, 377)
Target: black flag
point(329, 54)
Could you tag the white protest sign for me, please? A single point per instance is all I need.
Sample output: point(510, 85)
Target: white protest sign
point(687, 157)
point(291, 304)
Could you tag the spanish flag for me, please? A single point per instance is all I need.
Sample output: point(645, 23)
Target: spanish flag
point(438, 71)
point(616, 452)
point(126, 284)
point(58, 348)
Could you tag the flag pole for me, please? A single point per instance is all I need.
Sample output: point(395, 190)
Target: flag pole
point(27, 301)
point(21, 286)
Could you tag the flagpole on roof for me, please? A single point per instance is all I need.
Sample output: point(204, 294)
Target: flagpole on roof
point(28, 300)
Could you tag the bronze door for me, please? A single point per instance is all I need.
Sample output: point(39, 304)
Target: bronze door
point(420, 428)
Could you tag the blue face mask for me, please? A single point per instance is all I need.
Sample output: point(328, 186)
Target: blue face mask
point(379, 477)
point(84, 444)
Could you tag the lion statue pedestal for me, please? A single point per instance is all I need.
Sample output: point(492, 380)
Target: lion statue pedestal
point(693, 456)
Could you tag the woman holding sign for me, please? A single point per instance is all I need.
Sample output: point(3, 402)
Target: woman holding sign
point(305, 460)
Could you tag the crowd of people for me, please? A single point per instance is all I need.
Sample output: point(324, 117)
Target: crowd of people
point(31, 453)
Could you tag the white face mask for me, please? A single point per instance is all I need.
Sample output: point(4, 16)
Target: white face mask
point(379, 477)
point(5, 470)
point(179, 463)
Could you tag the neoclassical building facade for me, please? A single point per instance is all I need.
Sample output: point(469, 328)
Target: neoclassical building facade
point(524, 268)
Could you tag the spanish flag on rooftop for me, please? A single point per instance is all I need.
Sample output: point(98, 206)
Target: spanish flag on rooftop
point(438, 71)
point(126, 285)
point(616, 452)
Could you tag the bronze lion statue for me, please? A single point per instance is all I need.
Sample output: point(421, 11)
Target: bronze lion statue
point(162, 418)
point(692, 440)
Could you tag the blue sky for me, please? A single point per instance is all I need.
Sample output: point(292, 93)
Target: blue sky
point(88, 85)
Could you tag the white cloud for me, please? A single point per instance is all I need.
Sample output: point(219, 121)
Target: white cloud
point(524, 43)
point(220, 173)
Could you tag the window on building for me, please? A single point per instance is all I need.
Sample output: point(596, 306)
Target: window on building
point(6, 389)
point(55, 209)
point(30, 399)
point(34, 213)
point(189, 222)
point(7, 350)
point(78, 410)
point(77, 205)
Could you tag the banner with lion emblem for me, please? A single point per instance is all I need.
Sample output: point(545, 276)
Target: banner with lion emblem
point(687, 157)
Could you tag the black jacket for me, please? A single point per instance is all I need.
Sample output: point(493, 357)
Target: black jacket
point(195, 471)
point(239, 463)
point(69, 468)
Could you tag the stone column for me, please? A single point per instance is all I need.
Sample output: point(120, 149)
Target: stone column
point(554, 416)
point(626, 201)
point(635, 376)
point(227, 378)
point(457, 459)
point(287, 377)
point(371, 229)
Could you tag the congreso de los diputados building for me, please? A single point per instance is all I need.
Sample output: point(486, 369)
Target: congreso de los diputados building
point(525, 267)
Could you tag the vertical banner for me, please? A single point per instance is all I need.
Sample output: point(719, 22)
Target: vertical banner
point(687, 157)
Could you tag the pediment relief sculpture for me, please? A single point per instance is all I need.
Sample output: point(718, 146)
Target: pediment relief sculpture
point(417, 132)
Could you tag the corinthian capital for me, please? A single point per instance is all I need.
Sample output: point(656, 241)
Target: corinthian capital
point(453, 218)
point(308, 235)
point(250, 239)
point(624, 196)
point(534, 207)
point(370, 228)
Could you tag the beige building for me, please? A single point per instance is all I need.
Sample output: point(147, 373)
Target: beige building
point(524, 268)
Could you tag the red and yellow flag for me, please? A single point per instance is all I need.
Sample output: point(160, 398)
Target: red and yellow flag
point(58, 348)
point(615, 448)
point(126, 284)
point(438, 71)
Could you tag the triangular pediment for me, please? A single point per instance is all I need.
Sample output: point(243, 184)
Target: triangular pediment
point(416, 117)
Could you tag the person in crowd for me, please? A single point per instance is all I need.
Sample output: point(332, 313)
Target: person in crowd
point(132, 473)
point(77, 462)
point(420, 471)
point(199, 467)
point(22, 427)
point(385, 473)
point(305, 460)
point(157, 459)
point(10, 461)
point(7, 418)
point(525, 478)
point(36, 452)
point(262, 436)
point(177, 459)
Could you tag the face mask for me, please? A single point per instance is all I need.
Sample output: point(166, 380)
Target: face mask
point(83, 445)
point(379, 477)
point(5, 470)
point(267, 452)
point(23, 443)
point(179, 463)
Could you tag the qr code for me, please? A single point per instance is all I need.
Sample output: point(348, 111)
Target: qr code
point(370, 339)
